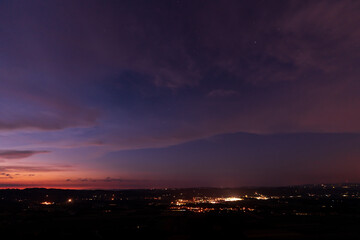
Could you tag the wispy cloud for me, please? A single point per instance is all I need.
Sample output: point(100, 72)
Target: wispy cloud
point(18, 154)
point(31, 169)
point(107, 179)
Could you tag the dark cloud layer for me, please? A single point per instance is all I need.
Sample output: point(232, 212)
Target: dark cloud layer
point(120, 75)
point(298, 58)
point(244, 159)
point(17, 154)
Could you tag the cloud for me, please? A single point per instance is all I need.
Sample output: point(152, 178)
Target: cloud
point(17, 154)
point(28, 169)
point(108, 42)
point(56, 122)
point(107, 179)
point(45, 109)
point(291, 63)
point(12, 185)
point(11, 176)
point(6, 175)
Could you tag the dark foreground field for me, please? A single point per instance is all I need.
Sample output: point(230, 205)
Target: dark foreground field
point(137, 215)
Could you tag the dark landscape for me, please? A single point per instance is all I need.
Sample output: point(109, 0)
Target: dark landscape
point(179, 119)
point(327, 211)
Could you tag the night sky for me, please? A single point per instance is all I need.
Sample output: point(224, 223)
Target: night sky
point(153, 94)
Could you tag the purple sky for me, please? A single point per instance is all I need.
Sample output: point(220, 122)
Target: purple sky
point(138, 94)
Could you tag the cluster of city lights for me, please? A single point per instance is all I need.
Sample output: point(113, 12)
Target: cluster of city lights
point(195, 204)
point(197, 200)
point(52, 203)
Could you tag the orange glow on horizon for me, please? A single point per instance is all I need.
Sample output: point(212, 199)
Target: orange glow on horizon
point(69, 179)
